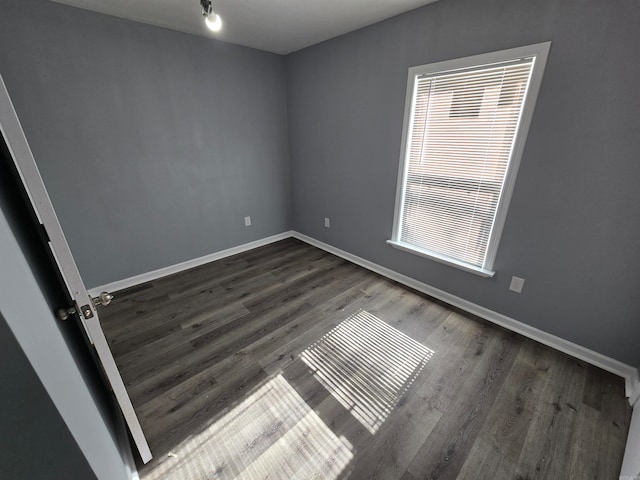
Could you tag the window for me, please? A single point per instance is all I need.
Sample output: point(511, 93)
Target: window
point(465, 126)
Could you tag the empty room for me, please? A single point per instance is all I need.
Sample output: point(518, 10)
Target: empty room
point(328, 240)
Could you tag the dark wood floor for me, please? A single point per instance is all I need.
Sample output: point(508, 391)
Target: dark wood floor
point(288, 362)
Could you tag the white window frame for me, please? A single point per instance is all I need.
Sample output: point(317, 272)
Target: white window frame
point(541, 52)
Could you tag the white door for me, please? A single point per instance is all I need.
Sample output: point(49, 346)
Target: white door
point(84, 304)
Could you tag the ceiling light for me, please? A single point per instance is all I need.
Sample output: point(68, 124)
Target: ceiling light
point(211, 19)
point(214, 25)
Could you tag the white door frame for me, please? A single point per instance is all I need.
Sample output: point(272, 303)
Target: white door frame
point(30, 175)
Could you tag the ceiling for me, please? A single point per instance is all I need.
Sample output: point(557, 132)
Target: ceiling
point(279, 26)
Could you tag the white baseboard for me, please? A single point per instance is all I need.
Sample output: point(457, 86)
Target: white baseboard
point(179, 267)
point(629, 373)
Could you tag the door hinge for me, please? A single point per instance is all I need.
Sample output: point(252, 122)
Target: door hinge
point(44, 233)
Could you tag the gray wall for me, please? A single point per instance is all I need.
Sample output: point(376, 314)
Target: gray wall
point(153, 144)
point(572, 230)
point(35, 443)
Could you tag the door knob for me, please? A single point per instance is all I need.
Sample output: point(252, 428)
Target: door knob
point(103, 299)
point(64, 313)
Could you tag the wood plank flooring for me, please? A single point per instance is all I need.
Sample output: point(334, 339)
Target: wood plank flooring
point(288, 362)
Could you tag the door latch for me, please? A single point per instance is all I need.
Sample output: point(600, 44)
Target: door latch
point(103, 299)
point(64, 313)
point(86, 311)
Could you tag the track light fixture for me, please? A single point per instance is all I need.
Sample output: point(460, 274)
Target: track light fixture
point(212, 19)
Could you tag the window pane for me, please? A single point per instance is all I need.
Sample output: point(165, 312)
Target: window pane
point(460, 141)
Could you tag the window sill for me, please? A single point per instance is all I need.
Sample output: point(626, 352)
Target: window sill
point(441, 259)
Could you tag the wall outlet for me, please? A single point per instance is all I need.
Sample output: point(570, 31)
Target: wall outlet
point(327, 222)
point(516, 284)
point(247, 221)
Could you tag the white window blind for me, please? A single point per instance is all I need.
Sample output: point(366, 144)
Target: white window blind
point(463, 126)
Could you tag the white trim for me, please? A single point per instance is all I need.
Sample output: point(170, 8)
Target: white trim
point(630, 469)
point(452, 262)
point(629, 373)
point(179, 267)
point(540, 52)
point(403, 164)
point(634, 387)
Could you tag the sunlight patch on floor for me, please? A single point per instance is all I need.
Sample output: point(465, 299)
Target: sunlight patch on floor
point(367, 365)
point(271, 434)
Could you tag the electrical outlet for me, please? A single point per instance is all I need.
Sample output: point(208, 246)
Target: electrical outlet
point(247, 221)
point(516, 284)
point(327, 222)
